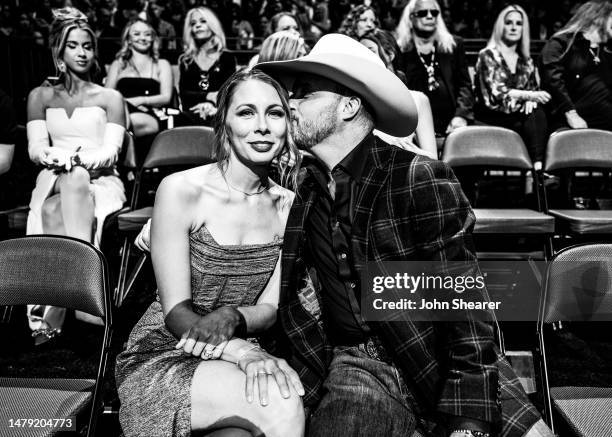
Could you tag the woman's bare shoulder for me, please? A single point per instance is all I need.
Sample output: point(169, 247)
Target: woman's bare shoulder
point(189, 185)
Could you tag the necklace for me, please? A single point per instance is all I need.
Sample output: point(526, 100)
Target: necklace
point(261, 190)
point(595, 55)
point(430, 68)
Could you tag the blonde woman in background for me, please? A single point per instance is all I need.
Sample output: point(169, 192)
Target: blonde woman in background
point(204, 65)
point(280, 46)
point(144, 80)
point(75, 132)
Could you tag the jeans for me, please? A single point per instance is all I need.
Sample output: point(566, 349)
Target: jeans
point(364, 397)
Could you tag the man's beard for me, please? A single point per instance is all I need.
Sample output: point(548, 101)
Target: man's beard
point(309, 133)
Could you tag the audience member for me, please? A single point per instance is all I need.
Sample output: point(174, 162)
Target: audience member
point(8, 132)
point(204, 64)
point(78, 186)
point(109, 36)
point(284, 21)
point(358, 21)
point(423, 140)
point(507, 88)
point(576, 69)
point(282, 46)
point(144, 80)
point(164, 29)
point(435, 64)
point(220, 228)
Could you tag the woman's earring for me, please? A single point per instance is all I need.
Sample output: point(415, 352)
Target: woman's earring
point(62, 67)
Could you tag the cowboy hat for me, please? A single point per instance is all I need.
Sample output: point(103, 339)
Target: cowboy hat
point(345, 61)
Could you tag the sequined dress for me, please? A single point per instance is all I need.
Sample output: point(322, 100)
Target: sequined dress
point(153, 378)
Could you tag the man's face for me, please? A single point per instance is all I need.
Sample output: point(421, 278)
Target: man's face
point(314, 110)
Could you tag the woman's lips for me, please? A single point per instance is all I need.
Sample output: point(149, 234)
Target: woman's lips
point(261, 146)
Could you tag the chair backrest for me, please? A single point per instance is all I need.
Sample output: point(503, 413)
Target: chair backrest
point(579, 285)
point(54, 270)
point(487, 146)
point(128, 152)
point(579, 148)
point(187, 145)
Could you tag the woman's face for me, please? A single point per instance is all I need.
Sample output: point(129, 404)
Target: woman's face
point(425, 14)
point(371, 45)
point(513, 27)
point(141, 37)
point(79, 51)
point(199, 27)
point(608, 33)
point(256, 123)
point(287, 23)
point(366, 22)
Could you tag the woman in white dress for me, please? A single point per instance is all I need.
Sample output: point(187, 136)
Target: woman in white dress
point(75, 131)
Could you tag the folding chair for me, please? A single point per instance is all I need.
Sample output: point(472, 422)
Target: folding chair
point(64, 272)
point(578, 287)
point(496, 153)
point(582, 160)
point(178, 148)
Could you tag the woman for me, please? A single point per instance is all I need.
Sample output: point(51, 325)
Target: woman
point(358, 21)
point(280, 46)
point(216, 236)
point(507, 89)
point(576, 68)
point(142, 77)
point(78, 186)
point(204, 65)
point(435, 64)
point(423, 140)
point(284, 21)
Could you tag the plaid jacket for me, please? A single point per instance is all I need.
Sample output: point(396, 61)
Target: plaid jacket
point(408, 208)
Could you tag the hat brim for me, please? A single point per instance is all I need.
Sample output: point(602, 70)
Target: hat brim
point(395, 112)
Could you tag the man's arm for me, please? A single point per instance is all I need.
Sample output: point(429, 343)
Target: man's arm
point(443, 220)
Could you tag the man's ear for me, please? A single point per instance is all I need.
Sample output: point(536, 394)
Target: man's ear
point(350, 107)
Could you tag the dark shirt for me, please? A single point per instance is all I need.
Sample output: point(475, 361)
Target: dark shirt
point(329, 241)
point(195, 84)
point(576, 81)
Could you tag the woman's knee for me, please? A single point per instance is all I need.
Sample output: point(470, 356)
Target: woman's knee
point(144, 124)
point(51, 212)
point(284, 416)
point(76, 180)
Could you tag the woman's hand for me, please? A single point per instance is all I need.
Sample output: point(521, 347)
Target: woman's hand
point(529, 106)
point(143, 239)
point(456, 123)
point(55, 159)
point(574, 120)
point(204, 110)
point(256, 363)
point(541, 97)
point(214, 329)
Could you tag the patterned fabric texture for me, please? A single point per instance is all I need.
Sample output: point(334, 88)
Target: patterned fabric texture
point(409, 208)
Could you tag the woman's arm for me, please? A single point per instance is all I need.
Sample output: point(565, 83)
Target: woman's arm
point(39, 147)
point(425, 133)
point(165, 90)
point(106, 155)
point(113, 75)
point(552, 72)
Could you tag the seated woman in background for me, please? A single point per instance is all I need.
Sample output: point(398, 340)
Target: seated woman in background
point(144, 80)
point(78, 185)
point(280, 46)
point(204, 65)
point(507, 90)
point(281, 22)
point(358, 21)
point(576, 68)
point(423, 140)
point(216, 239)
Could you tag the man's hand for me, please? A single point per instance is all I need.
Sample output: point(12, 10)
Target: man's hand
point(260, 365)
point(212, 332)
point(455, 123)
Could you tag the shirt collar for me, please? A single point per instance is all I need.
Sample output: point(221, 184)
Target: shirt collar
point(354, 163)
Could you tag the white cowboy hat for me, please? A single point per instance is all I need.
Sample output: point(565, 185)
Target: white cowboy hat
point(345, 61)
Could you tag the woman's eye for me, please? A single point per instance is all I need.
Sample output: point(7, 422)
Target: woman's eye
point(245, 113)
point(277, 113)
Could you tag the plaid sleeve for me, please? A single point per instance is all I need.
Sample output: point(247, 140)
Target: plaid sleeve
point(443, 221)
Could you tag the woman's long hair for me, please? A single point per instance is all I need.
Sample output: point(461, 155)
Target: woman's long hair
point(349, 24)
point(498, 31)
point(592, 14)
point(404, 30)
point(282, 46)
point(65, 20)
point(190, 48)
point(125, 53)
point(222, 146)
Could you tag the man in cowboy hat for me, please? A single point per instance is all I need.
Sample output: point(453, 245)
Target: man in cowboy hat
point(367, 201)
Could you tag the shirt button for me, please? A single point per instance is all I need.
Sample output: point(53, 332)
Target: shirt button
point(577, 76)
point(343, 256)
point(337, 224)
point(352, 284)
